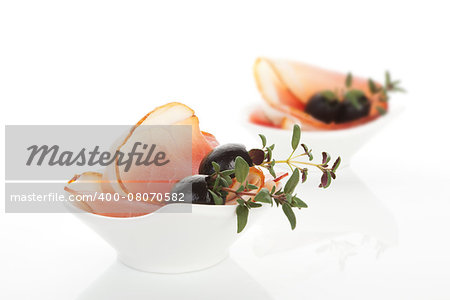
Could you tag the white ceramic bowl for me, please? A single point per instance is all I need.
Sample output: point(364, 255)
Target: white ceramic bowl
point(344, 143)
point(168, 241)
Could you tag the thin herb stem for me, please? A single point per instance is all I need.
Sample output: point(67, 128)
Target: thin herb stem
point(303, 154)
point(294, 162)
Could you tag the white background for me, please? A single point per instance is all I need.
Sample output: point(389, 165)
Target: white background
point(110, 62)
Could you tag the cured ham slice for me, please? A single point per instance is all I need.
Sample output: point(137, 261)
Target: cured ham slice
point(287, 86)
point(183, 149)
point(183, 161)
point(87, 195)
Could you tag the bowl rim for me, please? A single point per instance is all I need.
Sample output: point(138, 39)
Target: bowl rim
point(76, 210)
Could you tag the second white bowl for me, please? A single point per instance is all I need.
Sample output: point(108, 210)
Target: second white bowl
point(344, 143)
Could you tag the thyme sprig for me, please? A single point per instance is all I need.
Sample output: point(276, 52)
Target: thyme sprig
point(249, 196)
point(294, 161)
point(383, 91)
point(353, 94)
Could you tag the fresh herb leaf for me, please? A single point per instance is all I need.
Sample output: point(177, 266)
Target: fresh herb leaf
point(349, 80)
point(295, 137)
point(241, 169)
point(352, 96)
point(325, 158)
point(304, 174)
point(216, 167)
point(253, 204)
point(252, 187)
point(242, 217)
point(216, 183)
point(387, 79)
point(269, 154)
point(372, 86)
point(336, 164)
point(299, 203)
point(227, 172)
point(263, 140)
point(263, 196)
point(292, 182)
point(288, 198)
point(305, 148)
point(217, 199)
point(329, 95)
point(381, 110)
point(289, 214)
point(325, 180)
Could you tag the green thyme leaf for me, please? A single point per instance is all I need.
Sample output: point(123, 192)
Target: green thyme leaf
point(269, 154)
point(381, 110)
point(263, 196)
point(295, 137)
point(216, 183)
point(289, 214)
point(292, 182)
point(288, 198)
point(329, 95)
point(240, 201)
point(253, 204)
point(252, 187)
point(336, 164)
point(349, 80)
point(216, 167)
point(224, 181)
point(241, 169)
point(228, 179)
point(372, 87)
point(242, 217)
point(325, 158)
point(304, 174)
point(272, 171)
point(352, 96)
point(325, 180)
point(387, 77)
point(217, 199)
point(227, 172)
point(263, 140)
point(299, 203)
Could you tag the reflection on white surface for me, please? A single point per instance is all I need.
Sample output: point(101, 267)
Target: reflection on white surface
point(223, 281)
point(341, 221)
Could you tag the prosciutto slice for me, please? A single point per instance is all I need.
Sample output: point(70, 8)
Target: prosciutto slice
point(184, 149)
point(286, 86)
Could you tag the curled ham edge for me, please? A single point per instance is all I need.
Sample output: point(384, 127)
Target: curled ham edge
point(94, 183)
point(286, 86)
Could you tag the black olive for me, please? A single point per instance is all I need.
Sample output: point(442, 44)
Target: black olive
point(224, 156)
point(350, 111)
point(322, 108)
point(195, 189)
